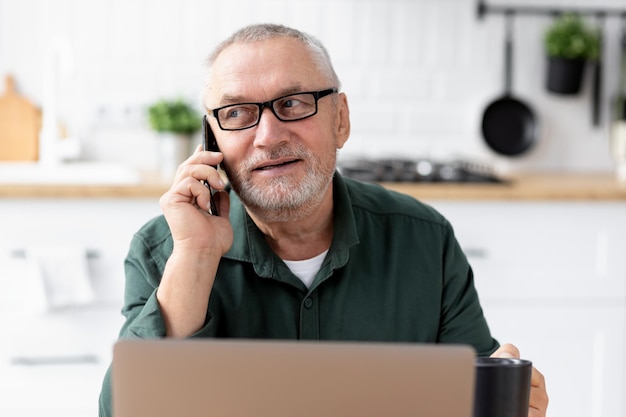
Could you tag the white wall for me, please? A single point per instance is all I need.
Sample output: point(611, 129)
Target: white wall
point(418, 73)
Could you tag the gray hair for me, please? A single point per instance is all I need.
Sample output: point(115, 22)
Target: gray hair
point(266, 31)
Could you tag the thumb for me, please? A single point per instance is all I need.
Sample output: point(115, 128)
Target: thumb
point(506, 351)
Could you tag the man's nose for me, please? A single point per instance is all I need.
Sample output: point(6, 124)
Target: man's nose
point(270, 131)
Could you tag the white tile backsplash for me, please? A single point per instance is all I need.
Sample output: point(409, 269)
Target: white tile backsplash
point(418, 73)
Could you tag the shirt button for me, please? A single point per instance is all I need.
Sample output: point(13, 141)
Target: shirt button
point(308, 303)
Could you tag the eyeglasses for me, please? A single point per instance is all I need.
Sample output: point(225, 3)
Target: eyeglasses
point(286, 109)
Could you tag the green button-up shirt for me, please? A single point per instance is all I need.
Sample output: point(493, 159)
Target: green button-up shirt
point(394, 272)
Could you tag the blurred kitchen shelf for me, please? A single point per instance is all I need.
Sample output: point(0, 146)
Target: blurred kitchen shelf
point(535, 186)
point(111, 182)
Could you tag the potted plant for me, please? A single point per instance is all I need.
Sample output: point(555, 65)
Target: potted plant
point(569, 44)
point(176, 122)
point(174, 116)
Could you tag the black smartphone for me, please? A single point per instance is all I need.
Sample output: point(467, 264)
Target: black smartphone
point(209, 144)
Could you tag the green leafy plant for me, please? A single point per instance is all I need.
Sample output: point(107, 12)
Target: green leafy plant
point(569, 37)
point(174, 116)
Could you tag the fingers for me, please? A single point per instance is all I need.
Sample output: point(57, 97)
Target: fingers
point(538, 402)
point(220, 198)
point(188, 187)
point(203, 157)
point(506, 351)
point(188, 191)
point(201, 166)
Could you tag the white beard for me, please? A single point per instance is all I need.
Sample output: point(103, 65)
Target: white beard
point(284, 198)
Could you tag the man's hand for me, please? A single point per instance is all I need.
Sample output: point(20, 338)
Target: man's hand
point(200, 240)
point(185, 205)
point(538, 402)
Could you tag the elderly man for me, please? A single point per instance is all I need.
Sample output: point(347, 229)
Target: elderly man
point(298, 251)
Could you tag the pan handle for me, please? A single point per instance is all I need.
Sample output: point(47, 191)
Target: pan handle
point(508, 51)
point(597, 79)
point(620, 106)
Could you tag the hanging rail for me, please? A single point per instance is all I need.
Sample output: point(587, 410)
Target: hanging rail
point(483, 9)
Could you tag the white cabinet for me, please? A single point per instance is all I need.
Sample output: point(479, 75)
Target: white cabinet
point(552, 280)
point(52, 362)
point(102, 226)
point(578, 347)
point(543, 250)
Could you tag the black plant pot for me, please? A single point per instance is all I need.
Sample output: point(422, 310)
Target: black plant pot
point(565, 75)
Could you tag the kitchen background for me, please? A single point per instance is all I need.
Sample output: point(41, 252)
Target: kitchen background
point(418, 73)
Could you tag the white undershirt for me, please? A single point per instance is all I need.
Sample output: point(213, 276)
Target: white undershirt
point(308, 268)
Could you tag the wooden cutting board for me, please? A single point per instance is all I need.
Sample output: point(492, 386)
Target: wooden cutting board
point(20, 122)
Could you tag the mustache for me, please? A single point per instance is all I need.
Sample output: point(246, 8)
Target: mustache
point(274, 154)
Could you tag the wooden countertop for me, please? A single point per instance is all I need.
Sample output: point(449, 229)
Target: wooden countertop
point(543, 186)
point(144, 190)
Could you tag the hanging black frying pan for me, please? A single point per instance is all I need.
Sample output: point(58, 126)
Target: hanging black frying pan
point(509, 126)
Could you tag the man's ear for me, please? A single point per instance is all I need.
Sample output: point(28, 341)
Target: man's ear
point(343, 120)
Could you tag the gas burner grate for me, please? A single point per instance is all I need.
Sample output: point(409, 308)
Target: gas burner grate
point(418, 170)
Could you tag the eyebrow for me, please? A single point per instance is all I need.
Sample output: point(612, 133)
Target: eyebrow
point(235, 99)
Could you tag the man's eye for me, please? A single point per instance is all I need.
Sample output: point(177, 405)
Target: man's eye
point(292, 102)
point(233, 113)
point(238, 112)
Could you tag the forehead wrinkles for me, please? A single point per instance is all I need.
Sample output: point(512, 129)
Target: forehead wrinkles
point(226, 98)
point(262, 70)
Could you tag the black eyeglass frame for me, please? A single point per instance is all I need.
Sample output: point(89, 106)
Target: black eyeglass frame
point(270, 105)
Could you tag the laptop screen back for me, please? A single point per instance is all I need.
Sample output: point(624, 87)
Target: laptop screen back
point(245, 378)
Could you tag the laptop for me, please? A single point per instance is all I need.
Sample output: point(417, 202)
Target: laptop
point(268, 378)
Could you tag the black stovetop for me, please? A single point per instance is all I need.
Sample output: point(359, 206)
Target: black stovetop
point(417, 170)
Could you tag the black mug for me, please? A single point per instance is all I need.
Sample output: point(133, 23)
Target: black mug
point(502, 387)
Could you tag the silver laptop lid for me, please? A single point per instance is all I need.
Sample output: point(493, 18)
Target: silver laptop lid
point(245, 378)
